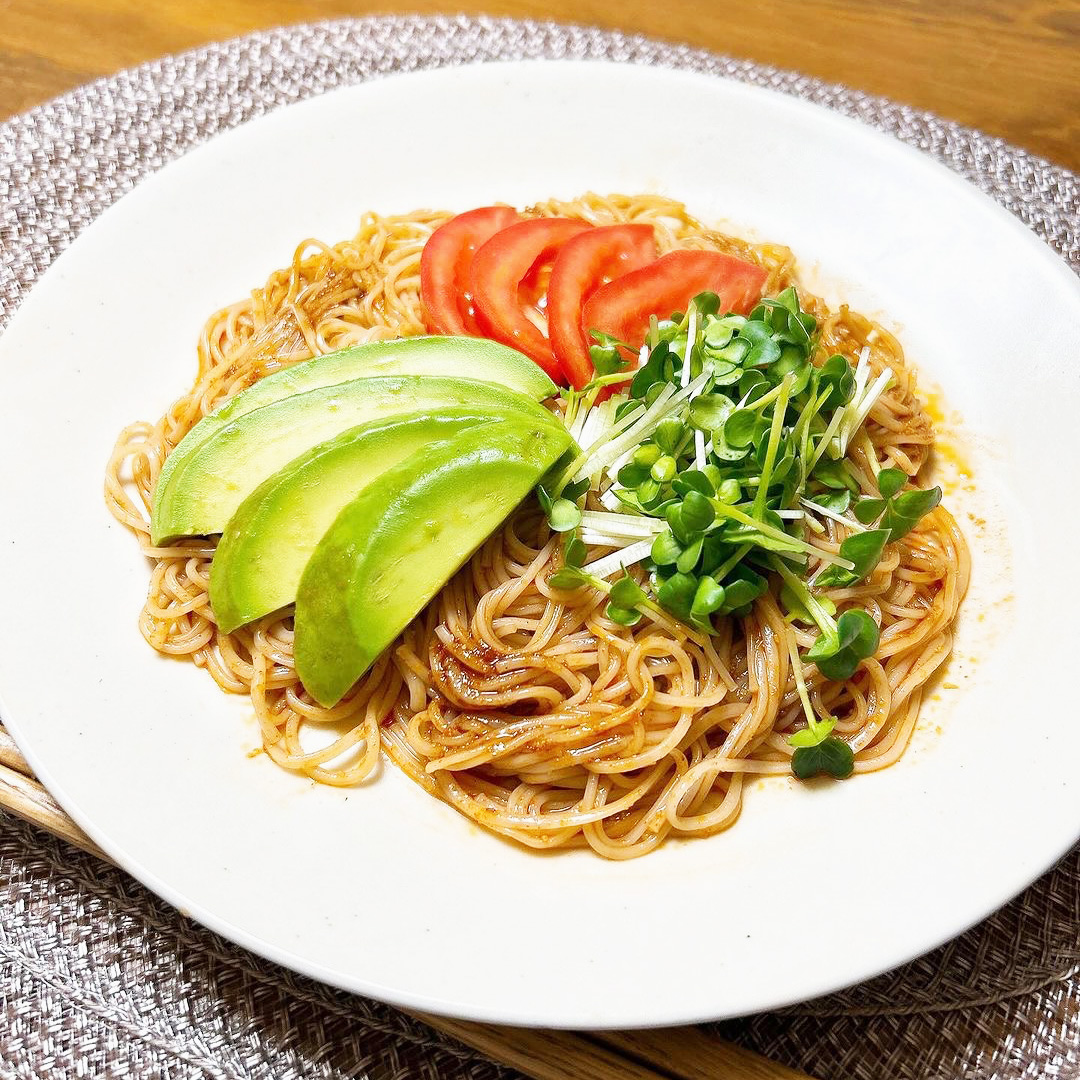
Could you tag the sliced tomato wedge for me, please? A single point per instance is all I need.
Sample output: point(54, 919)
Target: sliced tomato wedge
point(444, 268)
point(583, 264)
point(622, 307)
point(507, 275)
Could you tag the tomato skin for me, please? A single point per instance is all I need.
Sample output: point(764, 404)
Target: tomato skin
point(511, 258)
point(445, 264)
point(584, 264)
point(623, 306)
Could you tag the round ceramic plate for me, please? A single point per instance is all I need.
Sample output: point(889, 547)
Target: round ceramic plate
point(387, 892)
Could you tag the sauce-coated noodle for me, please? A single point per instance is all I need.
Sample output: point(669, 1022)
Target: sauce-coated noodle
point(523, 706)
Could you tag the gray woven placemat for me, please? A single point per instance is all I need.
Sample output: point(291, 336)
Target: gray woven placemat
point(100, 978)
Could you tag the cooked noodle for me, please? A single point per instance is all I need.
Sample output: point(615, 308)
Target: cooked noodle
point(523, 706)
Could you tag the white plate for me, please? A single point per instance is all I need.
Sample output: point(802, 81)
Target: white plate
point(386, 891)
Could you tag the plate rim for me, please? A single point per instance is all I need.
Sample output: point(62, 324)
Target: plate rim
point(296, 961)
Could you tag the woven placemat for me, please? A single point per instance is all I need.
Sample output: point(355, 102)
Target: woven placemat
point(100, 978)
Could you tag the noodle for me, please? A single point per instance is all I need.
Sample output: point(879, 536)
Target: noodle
point(535, 715)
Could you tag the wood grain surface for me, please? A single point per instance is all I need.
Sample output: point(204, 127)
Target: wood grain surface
point(1008, 67)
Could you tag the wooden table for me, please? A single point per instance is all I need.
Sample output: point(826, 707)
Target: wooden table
point(1008, 67)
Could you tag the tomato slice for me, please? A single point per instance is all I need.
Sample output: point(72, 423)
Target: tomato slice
point(583, 265)
point(622, 307)
point(511, 264)
point(444, 268)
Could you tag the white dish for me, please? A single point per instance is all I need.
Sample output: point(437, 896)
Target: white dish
point(382, 889)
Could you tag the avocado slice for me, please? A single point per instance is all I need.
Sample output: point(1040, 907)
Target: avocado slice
point(401, 539)
point(270, 538)
point(461, 357)
point(200, 496)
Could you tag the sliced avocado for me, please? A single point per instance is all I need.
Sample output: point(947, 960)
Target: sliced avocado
point(201, 495)
point(460, 357)
point(268, 541)
point(401, 539)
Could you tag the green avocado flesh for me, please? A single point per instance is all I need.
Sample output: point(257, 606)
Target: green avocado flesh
point(268, 541)
point(461, 357)
point(401, 539)
point(203, 493)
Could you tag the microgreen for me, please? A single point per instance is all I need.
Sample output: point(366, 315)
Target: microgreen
point(739, 428)
point(710, 411)
point(709, 597)
point(666, 549)
point(742, 586)
point(563, 513)
point(664, 469)
point(817, 750)
point(655, 370)
point(677, 594)
point(623, 600)
point(606, 355)
point(832, 756)
point(844, 641)
point(836, 502)
point(864, 551)
point(690, 556)
point(696, 512)
point(571, 575)
point(770, 466)
point(798, 611)
point(838, 654)
point(897, 514)
point(724, 449)
point(693, 480)
point(835, 475)
point(626, 598)
point(836, 376)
